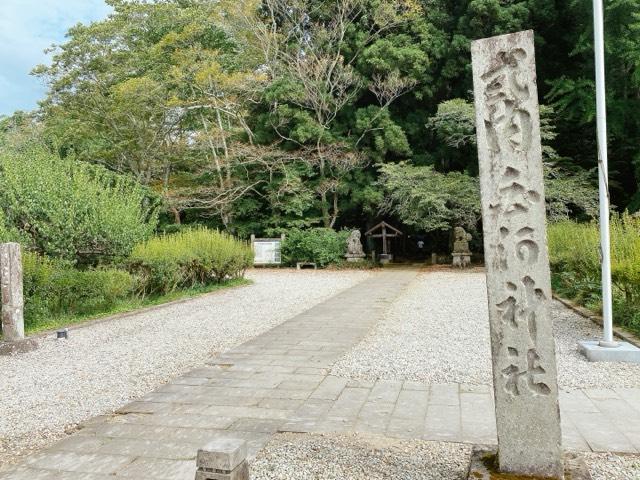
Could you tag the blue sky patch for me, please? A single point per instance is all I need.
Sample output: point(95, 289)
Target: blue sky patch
point(27, 27)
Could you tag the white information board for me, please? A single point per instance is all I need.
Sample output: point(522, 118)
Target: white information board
point(267, 251)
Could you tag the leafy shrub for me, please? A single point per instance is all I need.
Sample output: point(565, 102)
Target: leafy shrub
point(53, 287)
point(6, 234)
point(70, 209)
point(574, 251)
point(322, 246)
point(189, 258)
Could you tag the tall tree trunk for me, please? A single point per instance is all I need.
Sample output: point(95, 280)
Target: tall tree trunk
point(334, 215)
point(176, 215)
point(222, 182)
point(228, 216)
point(213, 151)
point(324, 203)
point(324, 206)
point(225, 148)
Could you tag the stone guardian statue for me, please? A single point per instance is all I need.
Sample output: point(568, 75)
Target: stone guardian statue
point(354, 247)
point(461, 253)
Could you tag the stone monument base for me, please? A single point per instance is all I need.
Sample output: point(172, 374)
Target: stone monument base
point(483, 466)
point(624, 352)
point(461, 260)
point(355, 258)
point(385, 258)
point(23, 346)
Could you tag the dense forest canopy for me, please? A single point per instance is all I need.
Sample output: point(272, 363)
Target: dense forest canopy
point(260, 116)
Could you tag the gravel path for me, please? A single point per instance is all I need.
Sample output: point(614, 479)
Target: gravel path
point(105, 365)
point(574, 370)
point(291, 456)
point(438, 332)
point(358, 457)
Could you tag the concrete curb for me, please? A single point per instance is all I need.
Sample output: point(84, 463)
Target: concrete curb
point(597, 319)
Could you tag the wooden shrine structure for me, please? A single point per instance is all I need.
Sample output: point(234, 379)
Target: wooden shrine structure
point(385, 232)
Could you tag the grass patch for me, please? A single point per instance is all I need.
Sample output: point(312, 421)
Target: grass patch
point(132, 304)
point(575, 265)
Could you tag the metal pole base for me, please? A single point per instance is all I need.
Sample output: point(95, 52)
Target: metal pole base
point(623, 352)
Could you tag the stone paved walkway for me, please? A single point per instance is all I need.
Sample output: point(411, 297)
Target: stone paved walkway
point(279, 381)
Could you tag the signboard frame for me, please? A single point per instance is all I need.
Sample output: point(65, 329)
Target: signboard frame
point(267, 251)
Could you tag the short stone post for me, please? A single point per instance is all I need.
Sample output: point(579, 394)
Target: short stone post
point(517, 264)
point(223, 459)
point(11, 292)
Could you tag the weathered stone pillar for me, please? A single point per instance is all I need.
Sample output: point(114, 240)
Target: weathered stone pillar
point(11, 292)
point(518, 278)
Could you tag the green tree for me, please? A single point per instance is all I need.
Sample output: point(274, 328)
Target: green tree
point(263, 115)
point(109, 98)
point(311, 56)
point(573, 94)
point(428, 200)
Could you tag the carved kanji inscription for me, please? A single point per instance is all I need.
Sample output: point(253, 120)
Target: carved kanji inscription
point(518, 280)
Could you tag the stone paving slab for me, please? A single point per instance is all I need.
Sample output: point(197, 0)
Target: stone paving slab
point(280, 382)
point(592, 420)
point(248, 392)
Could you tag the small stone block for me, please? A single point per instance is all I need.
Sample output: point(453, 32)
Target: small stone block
point(241, 472)
point(625, 352)
point(484, 464)
point(223, 454)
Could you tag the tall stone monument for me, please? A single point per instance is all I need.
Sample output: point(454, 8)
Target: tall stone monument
point(11, 292)
point(518, 278)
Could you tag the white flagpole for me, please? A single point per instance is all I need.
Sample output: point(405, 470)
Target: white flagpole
point(601, 108)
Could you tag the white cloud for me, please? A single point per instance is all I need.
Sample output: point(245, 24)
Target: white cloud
point(27, 27)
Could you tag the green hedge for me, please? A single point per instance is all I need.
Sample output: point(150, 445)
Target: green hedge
point(187, 259)
point(574, 251)
point(322, 246)
point(55, 288)
point(69, 209)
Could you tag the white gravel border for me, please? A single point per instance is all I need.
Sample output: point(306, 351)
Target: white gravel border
point(290, 456)
point(105, 365)
point(438, 332)
point(358, 457)
point(608, 466)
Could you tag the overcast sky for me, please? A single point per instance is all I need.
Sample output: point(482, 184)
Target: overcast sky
point(27, 27)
